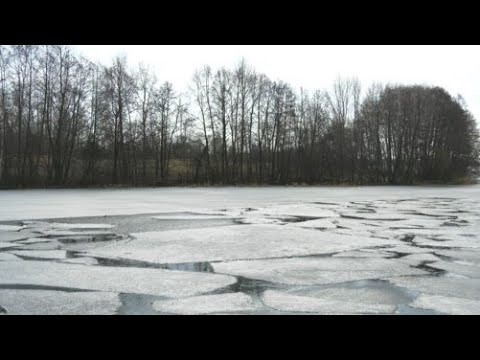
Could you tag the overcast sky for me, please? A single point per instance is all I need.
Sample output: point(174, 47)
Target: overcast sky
point(454, 67)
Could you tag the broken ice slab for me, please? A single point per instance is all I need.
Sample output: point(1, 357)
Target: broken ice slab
point(447, 304)
point(10, 227)
point(6, 245)
point(39, 254)
point(451, 242)
point(373, 292)
point(231, 243)
point(293, 303)
point(208, 304)
point(64, 226)
point(316, 224)
point(472, 272)
point(440, 285)
point(82, 260)
point(8, 257)
point(45, 302)
point(471, 256)
point(190, 216)
point(418, 259)
point(10, 236)
point(372, 253)
point(310, 271)
point(111, 279)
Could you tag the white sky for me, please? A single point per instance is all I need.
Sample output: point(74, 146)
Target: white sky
point(454, 67)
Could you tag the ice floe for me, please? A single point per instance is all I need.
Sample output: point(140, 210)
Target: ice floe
point(45, 302)
point(64, 226)
point(6, 245)
point(293, 303)
point(8, 257)
point(469, 271)
point(196, 305)
point(10, 227)
point(39, 254)
point(231, 243)
point(470, 255)
point(365, 254)
point(418, 259)
point(447, 305)
point(7, 236)
point(111, 279)
point(189, 217)
point(364, 292)
point(82, 260)
point(440, 285)
point(310, 271)
point(456, 242)
point(34, 241)
point(316, 224)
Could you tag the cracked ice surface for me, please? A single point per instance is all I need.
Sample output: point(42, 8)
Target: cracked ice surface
point(44, 302)
point(447, 305)
point(121, 280)
point(310, 271)
point(310, 245)
point(232, 242)
point(286, 302)
point(223, 303)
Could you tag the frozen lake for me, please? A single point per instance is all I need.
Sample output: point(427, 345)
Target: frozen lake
point(264, 250)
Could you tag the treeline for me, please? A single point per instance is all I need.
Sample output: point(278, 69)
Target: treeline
point(65, 121)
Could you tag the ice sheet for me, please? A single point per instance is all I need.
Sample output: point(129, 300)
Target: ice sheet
point(43, 302)
point(39, 254)
point(469, 271)
point(222, 303)
point(447, 305)
point(310, 271)
point(49, 204)
point(441, 285)
point(286, 302)
point(8, 257)
point(233, 242)
point(364, 254)
point(111, 279)
point(82, 260)
point(10, 227)
point(6, 245)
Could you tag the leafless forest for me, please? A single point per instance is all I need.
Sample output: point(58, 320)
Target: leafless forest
point(65, 121)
